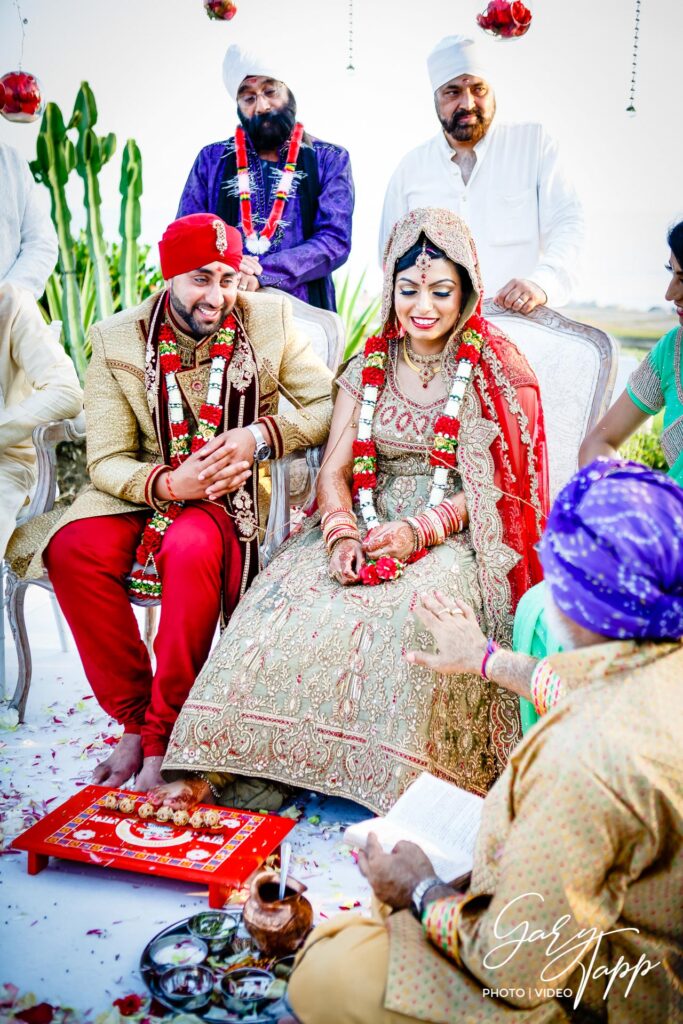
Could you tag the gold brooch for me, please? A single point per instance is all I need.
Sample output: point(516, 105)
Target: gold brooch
point(221, 237)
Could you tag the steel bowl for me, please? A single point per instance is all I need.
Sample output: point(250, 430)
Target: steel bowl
point(187, 988)
point(245, 990)
point(216, 928)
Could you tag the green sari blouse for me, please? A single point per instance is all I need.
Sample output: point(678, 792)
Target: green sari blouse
point(658, 384)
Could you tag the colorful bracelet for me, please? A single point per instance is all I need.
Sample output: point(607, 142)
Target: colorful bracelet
point(546, 687)
point(491, 648)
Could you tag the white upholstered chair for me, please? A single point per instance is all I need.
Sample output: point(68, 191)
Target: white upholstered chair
point(576, 368)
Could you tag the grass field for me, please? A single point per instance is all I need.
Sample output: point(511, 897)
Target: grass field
point(637, 329)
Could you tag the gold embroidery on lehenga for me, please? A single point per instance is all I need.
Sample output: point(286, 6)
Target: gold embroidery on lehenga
point(311, 681)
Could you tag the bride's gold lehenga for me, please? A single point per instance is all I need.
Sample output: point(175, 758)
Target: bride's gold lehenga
point(309, 686)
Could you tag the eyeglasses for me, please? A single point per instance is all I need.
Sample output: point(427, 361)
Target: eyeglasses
point(270, 92)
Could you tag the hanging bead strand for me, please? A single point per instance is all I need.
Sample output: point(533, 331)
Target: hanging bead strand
point(631, 108)
point(350, 66)
point(23, 22)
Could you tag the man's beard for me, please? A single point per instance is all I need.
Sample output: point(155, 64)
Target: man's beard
point(270, 131)
point(467, 132)
point(196, 327)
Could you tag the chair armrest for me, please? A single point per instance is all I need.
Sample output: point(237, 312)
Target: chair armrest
point(278, 525)
point(46, 437)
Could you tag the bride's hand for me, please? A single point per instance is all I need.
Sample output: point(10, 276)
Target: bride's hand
point(345, 561)
point(390, 540)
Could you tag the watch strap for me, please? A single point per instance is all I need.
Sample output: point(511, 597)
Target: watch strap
point(420, 891)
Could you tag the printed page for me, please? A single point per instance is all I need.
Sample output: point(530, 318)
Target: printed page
point(442, 819)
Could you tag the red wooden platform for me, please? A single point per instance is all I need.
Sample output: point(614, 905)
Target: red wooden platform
point(82, 829)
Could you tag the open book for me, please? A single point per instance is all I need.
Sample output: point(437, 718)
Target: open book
point(440, 818)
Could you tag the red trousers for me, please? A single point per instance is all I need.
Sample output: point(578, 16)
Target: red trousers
point(88, 562)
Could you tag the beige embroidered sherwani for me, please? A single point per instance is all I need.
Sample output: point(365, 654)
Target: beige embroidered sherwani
point(38, 384)
point(124, 453)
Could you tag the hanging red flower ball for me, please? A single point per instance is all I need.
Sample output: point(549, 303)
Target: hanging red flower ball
point(505, 19)
point(220, 10)
point(21, 97)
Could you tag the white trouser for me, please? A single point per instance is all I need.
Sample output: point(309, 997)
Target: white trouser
point(16, 482)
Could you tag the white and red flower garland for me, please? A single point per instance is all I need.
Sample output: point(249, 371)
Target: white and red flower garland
point(442, 456)
point(144, 582)
point(260, 242)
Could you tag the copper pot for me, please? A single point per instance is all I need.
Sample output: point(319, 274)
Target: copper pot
point(277, 926)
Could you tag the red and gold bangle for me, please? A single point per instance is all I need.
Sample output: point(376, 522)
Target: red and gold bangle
point(339, 536)
point(333, 513)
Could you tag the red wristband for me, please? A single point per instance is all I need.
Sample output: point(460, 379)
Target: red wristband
point(173, 496)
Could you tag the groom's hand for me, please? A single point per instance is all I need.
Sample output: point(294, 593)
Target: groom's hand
point(226, 462)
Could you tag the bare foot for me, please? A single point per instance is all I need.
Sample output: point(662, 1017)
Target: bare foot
point(150, 775)
point(124, 762)
point(181, 795)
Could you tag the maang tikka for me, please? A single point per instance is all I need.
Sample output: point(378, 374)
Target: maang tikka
point(424, 262)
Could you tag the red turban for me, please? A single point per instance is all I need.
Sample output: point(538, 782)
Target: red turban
point(196, 240)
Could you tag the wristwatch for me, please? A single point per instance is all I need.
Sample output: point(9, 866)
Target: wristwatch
point(262, 450)
point(420, 891)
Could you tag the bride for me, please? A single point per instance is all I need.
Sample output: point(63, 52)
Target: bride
point(435, 476)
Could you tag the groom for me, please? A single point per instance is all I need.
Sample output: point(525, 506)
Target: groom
point(181, 405)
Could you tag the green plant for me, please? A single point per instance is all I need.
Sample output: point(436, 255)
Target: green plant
point(129, 226)
point(55, 160)
point(359, 314)
point(94, 277)
point(147, 281)
point(644, 446)
point(92, 153)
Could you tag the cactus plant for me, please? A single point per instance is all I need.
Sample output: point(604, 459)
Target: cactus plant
point(92, 153)
point(129, 226)
point(55, 160)
point(360, 317)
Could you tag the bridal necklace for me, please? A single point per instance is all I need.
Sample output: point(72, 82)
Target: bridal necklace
point(425, 366)
point(442, 457)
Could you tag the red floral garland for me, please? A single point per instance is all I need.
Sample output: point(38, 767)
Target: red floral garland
point(260, 243)
point(446, 430)
point(144, 581)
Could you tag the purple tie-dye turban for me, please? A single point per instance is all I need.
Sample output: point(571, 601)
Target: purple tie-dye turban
point(612, 552)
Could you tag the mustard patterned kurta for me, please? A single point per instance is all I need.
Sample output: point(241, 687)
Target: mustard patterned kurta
point(589, 816)
point(309, 685)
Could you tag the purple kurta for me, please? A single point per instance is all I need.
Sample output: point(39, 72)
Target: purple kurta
point(293, 261)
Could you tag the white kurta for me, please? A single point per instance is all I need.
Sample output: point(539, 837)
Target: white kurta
point(523, 211)
point(28, 241)
point(38, 384)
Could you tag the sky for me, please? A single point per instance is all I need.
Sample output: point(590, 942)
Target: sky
point(155, 69)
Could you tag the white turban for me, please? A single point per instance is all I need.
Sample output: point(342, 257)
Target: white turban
point(457, 55)
point(239, 64)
